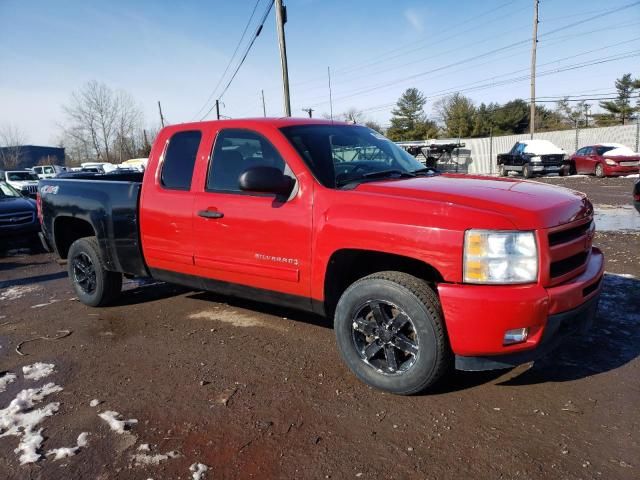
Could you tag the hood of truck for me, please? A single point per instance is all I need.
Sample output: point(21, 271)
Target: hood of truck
point(528, 205)
point(10, 205)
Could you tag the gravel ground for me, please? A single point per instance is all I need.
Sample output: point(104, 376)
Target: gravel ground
point(254, 391)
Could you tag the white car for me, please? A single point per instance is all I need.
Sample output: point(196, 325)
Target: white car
point(22, 180)
point(48, 171)
point(105, 167)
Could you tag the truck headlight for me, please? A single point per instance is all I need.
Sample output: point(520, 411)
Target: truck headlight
point(536, 159)
point(608, 161)
point(500, 257)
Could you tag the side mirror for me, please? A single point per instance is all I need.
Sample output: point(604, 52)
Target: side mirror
point(266, 180)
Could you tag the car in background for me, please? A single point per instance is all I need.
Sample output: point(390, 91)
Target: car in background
point(22, 180)
point(531, 157)
point(48, 171)
point(18, 217)
point(605, 160)
point(104, 167)
point(636, 195)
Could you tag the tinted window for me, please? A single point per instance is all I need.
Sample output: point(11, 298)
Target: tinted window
point(234, 152)
point(179, 160)
point(603, 150)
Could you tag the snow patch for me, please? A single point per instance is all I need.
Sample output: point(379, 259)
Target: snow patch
point(144, 459)
point(541, 147)
point(6, 379)
point(619, 151)
point(198, 470)
point(144, 448)
point(64, 452)
point(14, 293)
point(20, 420)
point(94, 403)
point(119, 426)
point(37, 370)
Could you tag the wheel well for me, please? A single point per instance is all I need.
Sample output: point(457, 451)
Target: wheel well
point(69, 229)
point(347, 266)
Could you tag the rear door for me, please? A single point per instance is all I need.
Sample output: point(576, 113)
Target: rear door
point(256, 240)
point(167, 204)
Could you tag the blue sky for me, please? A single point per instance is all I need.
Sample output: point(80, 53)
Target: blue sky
point(176, 52)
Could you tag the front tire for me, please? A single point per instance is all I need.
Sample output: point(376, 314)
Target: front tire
point(599, 171)
point(390, 332)
point(526, 171)
point(502, 172)
point(94, 285)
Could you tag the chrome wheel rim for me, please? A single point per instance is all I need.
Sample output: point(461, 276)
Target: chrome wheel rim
point(84, 273)
point(385, 337)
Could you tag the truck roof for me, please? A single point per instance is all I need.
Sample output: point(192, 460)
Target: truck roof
point(274, 121)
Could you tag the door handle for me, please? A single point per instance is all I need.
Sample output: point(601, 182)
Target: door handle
point(210, 214)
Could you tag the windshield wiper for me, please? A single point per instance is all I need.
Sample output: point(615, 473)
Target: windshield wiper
point(387, 173)
point(426, 171)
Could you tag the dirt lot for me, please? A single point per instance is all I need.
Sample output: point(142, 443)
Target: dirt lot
point(253, 391)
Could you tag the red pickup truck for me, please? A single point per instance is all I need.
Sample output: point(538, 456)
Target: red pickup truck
point(420, 271)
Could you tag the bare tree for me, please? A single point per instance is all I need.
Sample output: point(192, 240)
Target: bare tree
point(353, 115)
point(12, 141)
point(102, 124)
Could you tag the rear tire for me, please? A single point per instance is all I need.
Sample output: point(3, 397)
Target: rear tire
point(390, 332)
point(599, 171)
point(526, 171)
point(94, 285)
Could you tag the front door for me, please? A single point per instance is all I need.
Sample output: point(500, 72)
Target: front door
point(255, 240)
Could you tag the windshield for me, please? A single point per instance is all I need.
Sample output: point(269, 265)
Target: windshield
point(339, 155)
point(21, 176)
point(7, 191)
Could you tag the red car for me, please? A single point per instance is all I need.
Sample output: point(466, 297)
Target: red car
point(419, 271)
point(605, 160)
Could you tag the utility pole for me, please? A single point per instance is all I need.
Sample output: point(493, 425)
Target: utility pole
point(281, 19)
point(532, 114)
point(309, 111)
point(161, 116)
point(586, 115)
point(218, 109)
point(264, 107)
point(330, 99)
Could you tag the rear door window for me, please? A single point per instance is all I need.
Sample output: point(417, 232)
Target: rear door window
point(179, 160)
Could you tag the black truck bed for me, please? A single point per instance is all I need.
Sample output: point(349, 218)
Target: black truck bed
point(104, 206)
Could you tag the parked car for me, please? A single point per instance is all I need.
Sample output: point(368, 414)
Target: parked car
point(102, 166)
point(22, 180)
point(419, 271)
point(531, 157)
point(636, 195)
point(18, 219)
point(48, 171)
point(605, 160)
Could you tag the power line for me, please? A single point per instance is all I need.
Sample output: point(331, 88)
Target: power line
point(233, 56)
point(244, 57)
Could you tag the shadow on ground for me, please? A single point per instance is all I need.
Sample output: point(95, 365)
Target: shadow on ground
point(613, 342)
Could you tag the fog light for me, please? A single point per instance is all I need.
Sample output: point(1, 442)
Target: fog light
point(517, 335)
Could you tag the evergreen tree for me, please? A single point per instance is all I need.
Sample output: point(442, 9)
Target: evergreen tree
point(621, 108)
point(409, 121)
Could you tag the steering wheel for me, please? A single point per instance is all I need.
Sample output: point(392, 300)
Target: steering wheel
point(347, 168)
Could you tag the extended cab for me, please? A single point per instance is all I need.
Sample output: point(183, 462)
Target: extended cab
point(533, 157)
point(418, 270)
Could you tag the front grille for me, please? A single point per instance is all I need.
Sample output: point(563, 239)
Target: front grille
point(18, 218)
point(552, 159)
point(569, 249)
point(567, 265)
point(569, 235)
point(31, 189)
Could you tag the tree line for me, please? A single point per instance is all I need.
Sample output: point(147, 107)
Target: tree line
point(458, 115)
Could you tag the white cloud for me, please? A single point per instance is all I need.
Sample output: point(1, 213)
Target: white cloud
point(414, 18)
